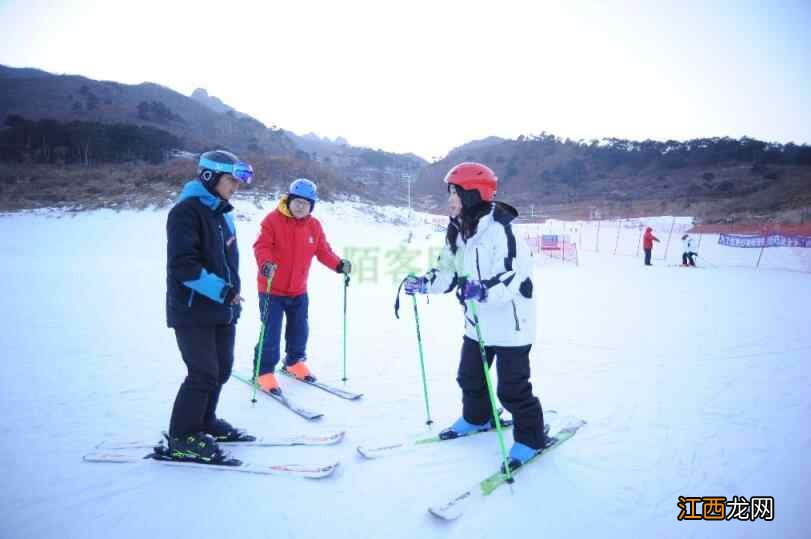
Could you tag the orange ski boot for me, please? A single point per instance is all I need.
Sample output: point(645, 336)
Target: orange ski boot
point(268, 382)
point(300, 371)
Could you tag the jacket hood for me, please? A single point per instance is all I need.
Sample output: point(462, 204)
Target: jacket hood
point(282, 207)
point(504, 213)
point(195, 189)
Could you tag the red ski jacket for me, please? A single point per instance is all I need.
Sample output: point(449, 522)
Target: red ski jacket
point(291, 244)
point(648, 239)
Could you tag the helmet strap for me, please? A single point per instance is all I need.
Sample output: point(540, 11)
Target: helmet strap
point(210, 179)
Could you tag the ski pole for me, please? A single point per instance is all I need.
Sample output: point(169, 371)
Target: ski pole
point(257, 356)
point(428, 420)
point(486, 366)
point(704, 259)
point(346, 285)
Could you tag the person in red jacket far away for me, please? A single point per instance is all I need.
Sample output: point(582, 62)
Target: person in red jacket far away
point(647, 244)
point(289, 239)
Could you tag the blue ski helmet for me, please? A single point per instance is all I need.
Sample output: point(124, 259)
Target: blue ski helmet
point(304, 188)
point(212, 165)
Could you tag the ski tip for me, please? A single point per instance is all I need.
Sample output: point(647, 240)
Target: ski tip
point(444, 514)
point(574, 425)
point(325, 439)
point(334, 438)
point(108, 457)
point(323, 471)
point(375, 452)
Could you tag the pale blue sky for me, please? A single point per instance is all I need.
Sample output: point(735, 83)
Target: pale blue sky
point(425, 76)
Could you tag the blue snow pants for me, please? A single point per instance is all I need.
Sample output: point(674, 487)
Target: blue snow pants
point(272, 309)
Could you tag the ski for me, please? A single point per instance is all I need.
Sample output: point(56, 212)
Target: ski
point(454, 508)
point(233, 465)
point(326, 439)
point(409, 445)
point(338, 392)
point(281, 399)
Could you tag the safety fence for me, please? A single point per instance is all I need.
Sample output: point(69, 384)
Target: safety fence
point(766, 246)
point(770, 246)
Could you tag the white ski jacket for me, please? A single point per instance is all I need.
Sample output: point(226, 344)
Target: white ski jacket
point(504, 264)
point(687, 245)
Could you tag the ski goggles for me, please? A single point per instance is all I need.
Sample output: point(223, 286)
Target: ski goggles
point(243, 172)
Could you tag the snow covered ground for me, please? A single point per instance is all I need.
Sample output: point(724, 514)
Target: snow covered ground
point(693, 382)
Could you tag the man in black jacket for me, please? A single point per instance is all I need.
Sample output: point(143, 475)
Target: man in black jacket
point(203, 303)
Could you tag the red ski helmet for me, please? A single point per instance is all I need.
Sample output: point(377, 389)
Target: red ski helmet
point(474, 176)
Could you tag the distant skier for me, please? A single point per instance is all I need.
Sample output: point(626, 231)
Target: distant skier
point(647, 244)
point(289, 239)
point(203, 303)
point(485, 262)
point(687, 251)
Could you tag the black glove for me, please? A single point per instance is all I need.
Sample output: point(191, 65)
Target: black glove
point(267, 270)
point(344, 266)
point(228, 294)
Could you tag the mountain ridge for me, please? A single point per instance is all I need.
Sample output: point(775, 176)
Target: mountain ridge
point(714, 178)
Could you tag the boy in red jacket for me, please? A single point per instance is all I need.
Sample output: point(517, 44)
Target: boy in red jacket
point(289, 239)
point(647, 244)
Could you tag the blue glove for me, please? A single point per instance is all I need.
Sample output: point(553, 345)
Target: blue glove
point(416, 285)
point(474, 290)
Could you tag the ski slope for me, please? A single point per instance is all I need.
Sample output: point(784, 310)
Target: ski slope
point(693, 382)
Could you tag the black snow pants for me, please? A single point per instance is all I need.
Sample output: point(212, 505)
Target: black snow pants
point(208, 353)
point(687, 258)
point(514, 390)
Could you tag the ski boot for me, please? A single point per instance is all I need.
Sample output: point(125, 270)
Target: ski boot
point(223, 432)
point(519, 455)
point(269, 383)
point(300, 371)
point(197, 447)
point(463, 428)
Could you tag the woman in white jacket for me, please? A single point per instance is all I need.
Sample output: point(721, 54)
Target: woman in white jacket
point(687, 251)
point(484, 262)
